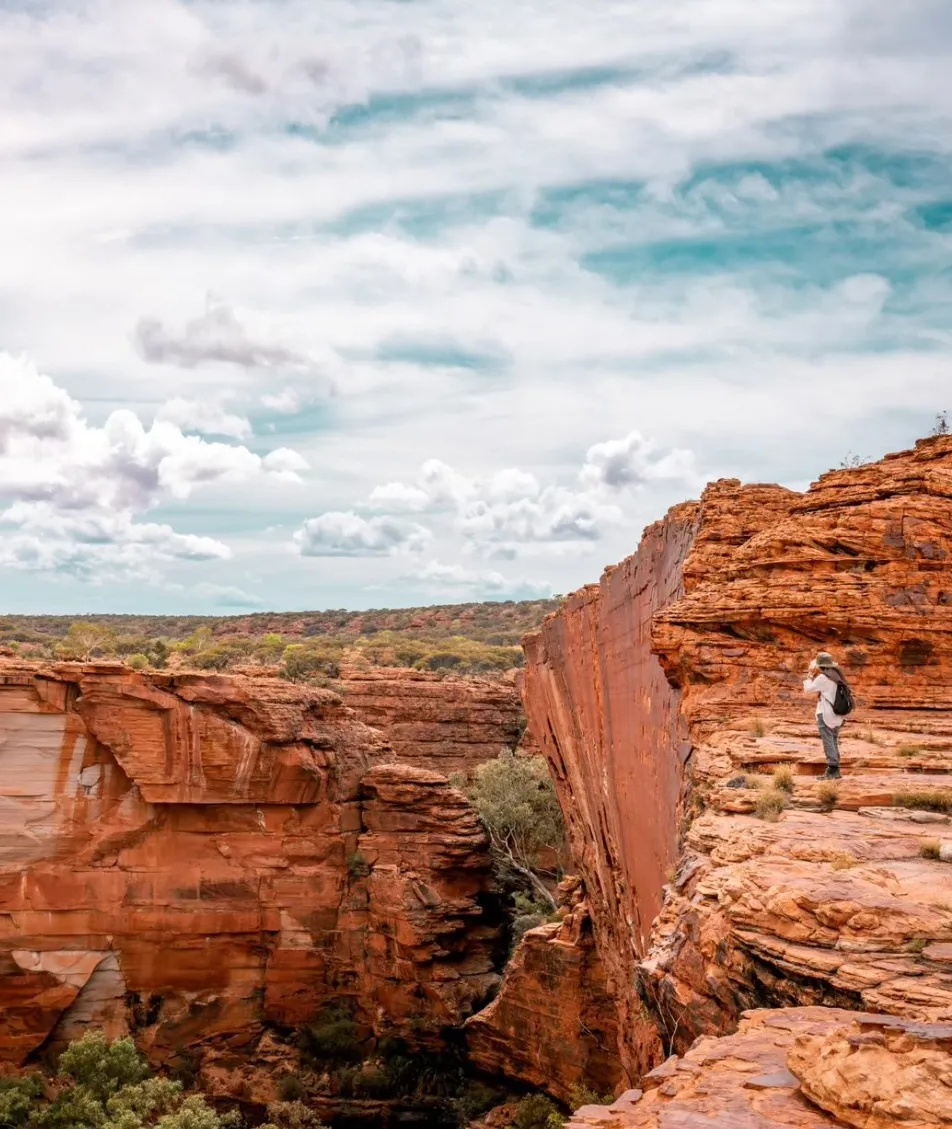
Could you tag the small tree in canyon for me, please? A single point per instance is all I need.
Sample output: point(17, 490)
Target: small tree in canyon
point(516, 801)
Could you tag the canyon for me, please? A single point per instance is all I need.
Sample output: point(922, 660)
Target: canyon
point(665, 697)
point(207, 861)
point(202, 860)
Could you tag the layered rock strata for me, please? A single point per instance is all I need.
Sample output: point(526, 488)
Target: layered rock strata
point(445, 723)
point(553, 1025)
point(196, 858)
point(680, 672)
point(802, 1067)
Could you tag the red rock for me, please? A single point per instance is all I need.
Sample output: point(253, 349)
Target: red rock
point(553, 1025)
point(446, 723)
point(196, 858)
point(650, 691)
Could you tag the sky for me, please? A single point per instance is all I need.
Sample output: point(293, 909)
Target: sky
point(363, 303)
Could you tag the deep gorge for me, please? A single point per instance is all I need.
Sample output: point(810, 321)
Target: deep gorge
point(211, 862)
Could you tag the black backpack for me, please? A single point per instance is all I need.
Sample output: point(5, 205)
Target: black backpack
point(843, 702)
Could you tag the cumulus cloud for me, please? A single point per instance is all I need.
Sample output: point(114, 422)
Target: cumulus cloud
point(73, 490)
point(205, 418)
point(216, 337)
point(497, 513)
point(336, 534)
point(636, 461)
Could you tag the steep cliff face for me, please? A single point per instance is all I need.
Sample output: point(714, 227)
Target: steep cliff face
point(196, 858)
point(681, 670)
point(554, 1025)
point(447, 724)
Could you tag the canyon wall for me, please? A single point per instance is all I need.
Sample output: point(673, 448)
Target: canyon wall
point(447, 723)
point(197, 858)
point(651, 691)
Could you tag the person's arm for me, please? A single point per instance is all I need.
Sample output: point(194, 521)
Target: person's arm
point(812, 685)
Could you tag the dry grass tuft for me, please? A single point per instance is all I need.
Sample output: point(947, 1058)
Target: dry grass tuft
point(770, 804)
point(757, 727)
point(827, 795)
point(929, 848)
point(783, 779)
point(924, 801)
point(843, 861)
point(909, 751)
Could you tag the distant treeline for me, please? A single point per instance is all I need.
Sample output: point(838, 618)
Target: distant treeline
point(465, 638)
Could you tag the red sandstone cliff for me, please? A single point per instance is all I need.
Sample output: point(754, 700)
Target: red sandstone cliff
point(449, 724)
point(195, 858)
point(651, 690)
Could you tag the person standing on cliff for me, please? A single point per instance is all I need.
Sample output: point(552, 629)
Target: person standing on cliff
point(823, 679)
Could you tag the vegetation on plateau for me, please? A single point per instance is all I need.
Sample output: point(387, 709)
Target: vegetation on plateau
point(305, 646)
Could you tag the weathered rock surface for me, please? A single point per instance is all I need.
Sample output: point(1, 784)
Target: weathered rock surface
point(773, 1071)
point(876, 1072)
point(553, 1025)
point(679, 672)
point(195, 858)
point(445, 723)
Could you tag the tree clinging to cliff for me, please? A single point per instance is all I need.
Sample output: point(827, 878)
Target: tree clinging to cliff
point(516, 801)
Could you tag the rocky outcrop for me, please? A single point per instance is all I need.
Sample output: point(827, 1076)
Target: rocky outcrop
point(449, 724)
point(803, 1068)
point(679, 674)
point(553, 1025)
point(196, 858)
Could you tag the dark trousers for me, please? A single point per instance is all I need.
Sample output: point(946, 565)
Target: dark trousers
point(831, 742)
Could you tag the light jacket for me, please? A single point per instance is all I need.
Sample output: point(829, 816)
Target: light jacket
point(825, 687)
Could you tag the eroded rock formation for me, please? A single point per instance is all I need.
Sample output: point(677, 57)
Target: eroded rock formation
point(195, 858)
point(554, 1025)
point(449, 724)
point(680, 672)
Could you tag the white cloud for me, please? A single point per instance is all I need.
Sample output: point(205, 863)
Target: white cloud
point(498, 513)
point(349, 535)
point(687, 213)
point(205, 418)
point(216, 337)
point(456, 579)
point(73, 490)
point(636, 461)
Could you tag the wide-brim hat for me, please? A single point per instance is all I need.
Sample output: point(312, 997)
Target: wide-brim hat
point(824, 658)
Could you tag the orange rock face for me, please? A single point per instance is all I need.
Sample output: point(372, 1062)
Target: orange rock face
point(553, 1025)
point(195, 858)
point(680, 671)
point(448, 724)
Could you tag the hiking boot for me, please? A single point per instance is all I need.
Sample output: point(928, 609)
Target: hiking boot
point(832, 774)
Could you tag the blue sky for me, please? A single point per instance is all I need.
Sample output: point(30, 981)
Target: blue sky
point(379, 302)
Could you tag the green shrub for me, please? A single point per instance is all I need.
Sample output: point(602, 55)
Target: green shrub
point(103, 1067)
point(137, 662)
point(290, 1088)
point(537, 1112)
point(333, 1037)
point(17, 1098)
point(357, 866)
point(476, 1100)
point(303, 661)
point(582, 1095)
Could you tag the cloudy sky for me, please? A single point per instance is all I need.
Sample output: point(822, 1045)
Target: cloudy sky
point(356, 303)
